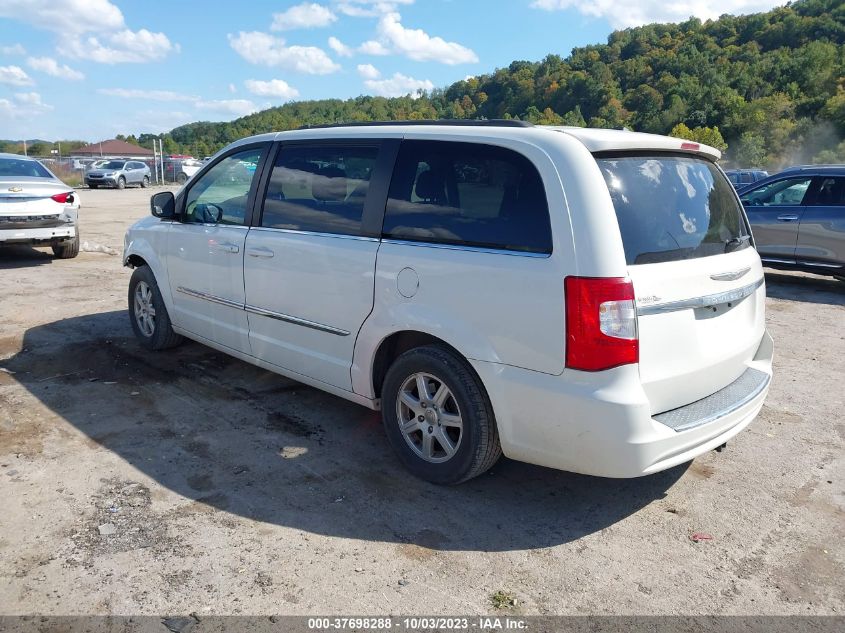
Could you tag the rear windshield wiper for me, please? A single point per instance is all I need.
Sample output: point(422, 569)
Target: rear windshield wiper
point(735, 243)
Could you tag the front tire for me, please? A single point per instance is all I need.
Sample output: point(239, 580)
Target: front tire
point(121, 183)
point(93, 186)
point(182, 178)
point(438, 417)
point(145, 182)
point(147, 312)
point(67, 249)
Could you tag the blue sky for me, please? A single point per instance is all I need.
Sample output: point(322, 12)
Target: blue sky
point(91, 69)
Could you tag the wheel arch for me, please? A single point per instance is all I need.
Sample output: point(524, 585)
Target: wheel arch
point(139, 252)
point(394, 345)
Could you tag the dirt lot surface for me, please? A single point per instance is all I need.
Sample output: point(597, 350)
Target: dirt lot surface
point(186, 481)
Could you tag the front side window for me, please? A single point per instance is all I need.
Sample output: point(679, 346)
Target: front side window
point(672, 208)
point(319, 188)
point(467, 194)
point(787, 192)
point(220, 196)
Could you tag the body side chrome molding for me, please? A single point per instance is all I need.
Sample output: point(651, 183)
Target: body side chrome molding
point(295, 320)
point(700, 302)
point(213, 298)
point(262, 312)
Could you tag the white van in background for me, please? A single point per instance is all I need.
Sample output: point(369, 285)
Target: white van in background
point(588, 300)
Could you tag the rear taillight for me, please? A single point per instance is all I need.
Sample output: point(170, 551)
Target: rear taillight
point(691, 146)
point(601, 323)
point(63, 198)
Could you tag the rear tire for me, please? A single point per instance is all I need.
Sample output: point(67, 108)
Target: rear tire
point(121, 183)
point(145, 182)
point(182, 178)
point(67, 249)
point(147, 312)
point(448, 434)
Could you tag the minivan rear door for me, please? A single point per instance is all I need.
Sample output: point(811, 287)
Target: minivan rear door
point(697, 279)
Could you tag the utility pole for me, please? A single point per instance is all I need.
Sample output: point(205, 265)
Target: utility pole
point(24, 148)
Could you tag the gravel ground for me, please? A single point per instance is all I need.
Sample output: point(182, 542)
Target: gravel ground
point(186, 481)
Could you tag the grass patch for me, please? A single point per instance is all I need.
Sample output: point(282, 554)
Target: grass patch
point(503, 600)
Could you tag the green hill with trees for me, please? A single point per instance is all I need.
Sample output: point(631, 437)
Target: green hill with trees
point(768, 88)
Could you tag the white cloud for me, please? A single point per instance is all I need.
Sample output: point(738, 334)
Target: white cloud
point(339, 47)
point(369, 8)
point(237, 107)
point(14, 49)
point(51, 67)
point(262, 48)
point(368, 71)
point(232, 88)
point(273, 88)
point(371, 47)
point(23, 105)
point(122, 47)
point(14, 76)
point(90, 29)
point(419, 45)
point(307, 15)
point(151, 95)
point(624, 15)
point(32, 100)
point(398, 86)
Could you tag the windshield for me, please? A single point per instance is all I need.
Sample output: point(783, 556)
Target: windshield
point(113, 164)
point(21, 167)
point(672, 207)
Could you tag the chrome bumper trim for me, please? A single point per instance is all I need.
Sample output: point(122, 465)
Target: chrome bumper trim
point(701, 302)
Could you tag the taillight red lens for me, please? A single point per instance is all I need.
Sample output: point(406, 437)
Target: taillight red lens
point(63, 198)
point(601, 327)
point(693, 146)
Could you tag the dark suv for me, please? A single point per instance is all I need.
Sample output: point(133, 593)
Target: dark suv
point(743, 177)
point(798, 218)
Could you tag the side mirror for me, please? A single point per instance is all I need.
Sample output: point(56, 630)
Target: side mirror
point(163, 205)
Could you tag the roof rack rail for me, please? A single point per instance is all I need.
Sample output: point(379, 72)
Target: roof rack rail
point(455, 122)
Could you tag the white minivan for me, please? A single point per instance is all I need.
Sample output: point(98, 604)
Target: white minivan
point(588, 300)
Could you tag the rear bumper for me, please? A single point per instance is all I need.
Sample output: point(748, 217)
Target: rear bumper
point(601, 424)
point(29, 236)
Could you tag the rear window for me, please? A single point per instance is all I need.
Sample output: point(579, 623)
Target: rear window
point(23, 167)
point(467, 194)
point(672, 208)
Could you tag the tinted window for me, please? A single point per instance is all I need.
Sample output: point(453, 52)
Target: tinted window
point(113, 164)
point(319, 188)
point(790, 191)
point(223, 190)
point(673, 207)
point(467, 194)
point(829, 192)
point(23, 167)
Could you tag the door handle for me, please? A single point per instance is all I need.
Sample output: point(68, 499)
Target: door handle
point(787, 218)
point(226, 247)
point(259, 251)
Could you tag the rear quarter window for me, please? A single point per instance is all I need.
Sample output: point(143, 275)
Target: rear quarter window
point(467, 194)
point(673, 207)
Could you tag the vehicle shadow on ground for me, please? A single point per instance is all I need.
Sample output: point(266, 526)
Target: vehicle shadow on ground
point(222, 433)
point(805, 288)
point(22, 256)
